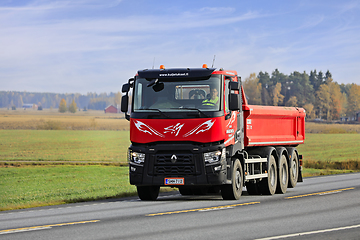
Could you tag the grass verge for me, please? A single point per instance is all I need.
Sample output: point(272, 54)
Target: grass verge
point(24, 187)
point(313, 172)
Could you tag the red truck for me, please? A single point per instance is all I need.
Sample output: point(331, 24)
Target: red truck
point(191, 128)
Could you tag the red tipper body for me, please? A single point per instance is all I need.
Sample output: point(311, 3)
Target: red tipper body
point(269, 125)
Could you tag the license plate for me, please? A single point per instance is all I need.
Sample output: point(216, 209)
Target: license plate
point(174, 181)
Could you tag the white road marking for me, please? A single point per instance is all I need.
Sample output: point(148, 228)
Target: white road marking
point(309, 233)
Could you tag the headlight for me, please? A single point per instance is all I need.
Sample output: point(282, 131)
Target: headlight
point(213, 157)
point(136, 157)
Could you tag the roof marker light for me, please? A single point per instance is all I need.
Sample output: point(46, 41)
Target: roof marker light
point(162, 67)
point(204, 65)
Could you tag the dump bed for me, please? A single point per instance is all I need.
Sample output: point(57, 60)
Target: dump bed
point(270, 125)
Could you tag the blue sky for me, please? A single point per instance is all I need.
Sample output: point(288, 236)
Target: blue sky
point(80, 46)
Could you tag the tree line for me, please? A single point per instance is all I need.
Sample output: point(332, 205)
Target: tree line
point(316, 92)
point(11, 99)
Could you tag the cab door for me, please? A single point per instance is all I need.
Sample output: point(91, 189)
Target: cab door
point(230, 116)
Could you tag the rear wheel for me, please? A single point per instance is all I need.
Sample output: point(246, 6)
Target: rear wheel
point(268, 185)
point(148, 193)
point(293, 170)
point(283, 175)
point(233, 191)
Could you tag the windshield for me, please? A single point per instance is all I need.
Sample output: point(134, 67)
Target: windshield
point(177, 96)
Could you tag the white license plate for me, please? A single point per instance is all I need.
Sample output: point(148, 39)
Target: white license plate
point(174, 181)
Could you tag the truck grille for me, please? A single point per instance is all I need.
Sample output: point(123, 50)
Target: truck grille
point(175, 164)
point(177, 170)
point(173, 159)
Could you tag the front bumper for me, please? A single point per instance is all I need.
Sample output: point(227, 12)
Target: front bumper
point(177, 161)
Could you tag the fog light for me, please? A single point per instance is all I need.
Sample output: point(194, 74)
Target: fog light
point(218, 168)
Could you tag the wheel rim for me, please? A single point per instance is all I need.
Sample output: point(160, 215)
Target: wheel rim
point(293, 168)
point(283, 173)
point(238, 180)
point(272, 175)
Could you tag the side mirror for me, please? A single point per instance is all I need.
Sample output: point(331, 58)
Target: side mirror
point(124, 103)
point(125, 88)
point(234, 102)
point(234, 86)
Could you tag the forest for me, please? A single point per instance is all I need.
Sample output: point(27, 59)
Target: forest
point(321, 96)
point(317, 93)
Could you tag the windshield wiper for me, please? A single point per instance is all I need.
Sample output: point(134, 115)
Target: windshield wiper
point(199, 111)
point(155, 109)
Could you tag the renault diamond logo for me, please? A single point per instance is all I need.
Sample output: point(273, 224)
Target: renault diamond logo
point(173, 158)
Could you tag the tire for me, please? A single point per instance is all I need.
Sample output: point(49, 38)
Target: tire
point(283, 175)
point(233, 191)
point(185, 191)
point(268, 185)
point(148, 193)
point(214, 190)
point(200, 191)
point(293, 169)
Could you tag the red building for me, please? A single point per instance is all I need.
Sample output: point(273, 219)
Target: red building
point(111, 109)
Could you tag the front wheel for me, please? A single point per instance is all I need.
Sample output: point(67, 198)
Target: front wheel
point(233, 191)
point(148, 193)
point(185, 191)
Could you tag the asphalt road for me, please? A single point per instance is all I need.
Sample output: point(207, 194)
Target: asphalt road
point(319, 208)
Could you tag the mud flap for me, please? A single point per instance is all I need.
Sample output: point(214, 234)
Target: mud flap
point(300, 178)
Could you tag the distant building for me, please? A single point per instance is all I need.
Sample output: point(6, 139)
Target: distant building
point(111, 109)
point(344, 119)
point(29, 105)
point(355, 118)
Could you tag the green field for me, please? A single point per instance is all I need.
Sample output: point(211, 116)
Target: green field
point(331, 147)
point(64, 145)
